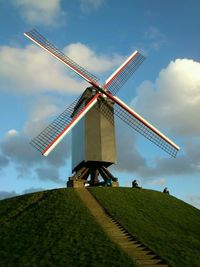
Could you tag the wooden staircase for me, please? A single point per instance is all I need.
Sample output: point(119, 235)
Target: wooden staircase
point(139, 252)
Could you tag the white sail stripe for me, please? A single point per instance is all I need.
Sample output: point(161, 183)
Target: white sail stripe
point(121, 66)
point(148, 124)
point(80, 74)
point(69, 128)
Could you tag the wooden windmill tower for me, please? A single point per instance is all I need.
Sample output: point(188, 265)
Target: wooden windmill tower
point(91, 116)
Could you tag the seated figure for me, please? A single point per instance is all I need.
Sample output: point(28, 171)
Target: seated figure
point(166, 191)
point(135, 184)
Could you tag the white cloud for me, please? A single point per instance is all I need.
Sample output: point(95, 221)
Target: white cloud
point(155, 39)
point(89, 5)
point(40, 11)
point(172, 103)
point(86, 57)
point(42, 111)
point(31, 70)
point(15, 149)
point(173, 100)
point(11, 133)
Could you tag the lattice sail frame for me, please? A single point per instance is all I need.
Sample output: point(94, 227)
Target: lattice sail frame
point(138, 123)
point(46, 141)
point(142, 126)
point(145, 130)
point(123, 73)
point(40, 40)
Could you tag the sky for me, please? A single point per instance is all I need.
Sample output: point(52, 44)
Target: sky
point(100, 35)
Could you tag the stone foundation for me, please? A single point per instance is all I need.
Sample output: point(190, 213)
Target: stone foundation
point(115, 184)
point(76, 183)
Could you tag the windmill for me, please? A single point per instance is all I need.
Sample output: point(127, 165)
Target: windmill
point(91, 119)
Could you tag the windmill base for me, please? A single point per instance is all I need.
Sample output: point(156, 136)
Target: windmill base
point(75, 183)
point(92, 170)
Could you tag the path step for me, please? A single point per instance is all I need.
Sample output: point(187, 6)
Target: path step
point(139, 252)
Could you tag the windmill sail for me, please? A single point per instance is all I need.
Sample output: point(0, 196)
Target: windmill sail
point(40, 40)
point(54, 133)
point(123, 73)
point(138, 123)
point(48, 139)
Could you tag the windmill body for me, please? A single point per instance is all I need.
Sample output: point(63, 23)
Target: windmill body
point(91, 119)
point(93, 138)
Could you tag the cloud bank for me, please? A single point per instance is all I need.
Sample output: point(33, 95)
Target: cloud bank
point(41, 12)
point(93, 62)
point(173, 100)
point(171, 103)
point(31, 70)
point(15, 149)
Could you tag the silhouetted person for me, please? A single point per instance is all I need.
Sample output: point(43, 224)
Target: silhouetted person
point(135, 184)
point(166, 191)
point(109, 182)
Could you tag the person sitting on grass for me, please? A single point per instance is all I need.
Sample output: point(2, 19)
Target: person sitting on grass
point(135, 184)
point(108, 182)
point(166, 191)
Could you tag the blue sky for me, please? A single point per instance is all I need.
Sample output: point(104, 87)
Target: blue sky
point(99, 35)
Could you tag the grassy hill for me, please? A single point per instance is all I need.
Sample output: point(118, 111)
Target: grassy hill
point(167, 225)
point(54, 228)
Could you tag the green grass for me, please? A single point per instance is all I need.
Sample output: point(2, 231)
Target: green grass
point(53, 228)
point(167, 225)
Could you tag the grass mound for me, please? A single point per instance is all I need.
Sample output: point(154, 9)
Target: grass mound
point(167, 225)
point(53, 228)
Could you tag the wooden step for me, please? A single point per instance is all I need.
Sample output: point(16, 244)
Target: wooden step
point(139, 253)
